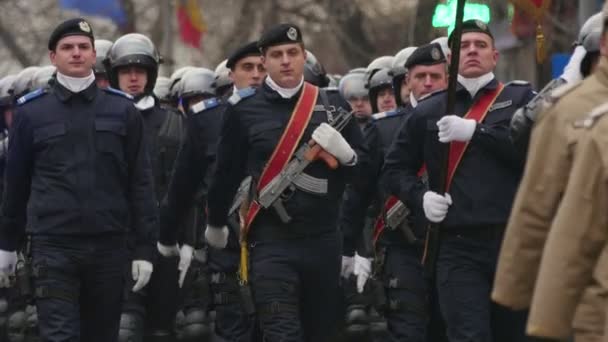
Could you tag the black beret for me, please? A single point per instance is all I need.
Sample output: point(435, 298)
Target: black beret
point(280, 34)
point(473, 25)
point(71, 27)
point(249, 49)
point(428, 54)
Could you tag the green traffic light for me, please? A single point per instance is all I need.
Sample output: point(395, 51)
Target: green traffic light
point(445, 14)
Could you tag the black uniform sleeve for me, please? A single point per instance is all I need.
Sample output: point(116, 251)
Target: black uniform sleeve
point(17, 182)
point(402, 162)
point(358, 175)
point(496, 138)
point(232, 156)
point(188, 174)
point(358, 198)
point(142, 199)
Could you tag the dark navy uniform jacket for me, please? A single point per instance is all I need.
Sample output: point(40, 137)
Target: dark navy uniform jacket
point(78, 166)
point(195, 160)
point(252, 129)
point(485, 182)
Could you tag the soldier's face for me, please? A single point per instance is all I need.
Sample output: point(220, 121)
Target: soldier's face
point(386, 100)
point(248, 72)
point(74, 56)
point(425, 79)
point(477, 55)
point(360, 106)
point(285, 64)
point(102, 81)
point(132, 80)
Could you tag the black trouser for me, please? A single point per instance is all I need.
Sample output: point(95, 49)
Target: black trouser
point(295, 286)
point(465, 273)
point(231, 321)
point(155, 304)
point(407, 294)
point(79, 286)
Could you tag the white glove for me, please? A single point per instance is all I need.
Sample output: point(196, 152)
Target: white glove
point(455, 128)
point(186, 253)
point(572, 71)
point(141, 270)
point(216, 237)
point(334, 143)
point(348, 264)
point(167, 251)
point(8, 262)
point(436, 206)
point(363, 269)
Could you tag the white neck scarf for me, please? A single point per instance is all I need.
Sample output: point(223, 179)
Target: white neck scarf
point(145, 102)
point(413, 100)
point(75, 84)
point(285, 93)
point(472, 85)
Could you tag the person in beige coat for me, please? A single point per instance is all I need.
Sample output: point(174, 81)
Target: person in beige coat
point(549, 162)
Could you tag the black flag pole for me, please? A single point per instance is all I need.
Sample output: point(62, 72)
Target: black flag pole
point(433, 235)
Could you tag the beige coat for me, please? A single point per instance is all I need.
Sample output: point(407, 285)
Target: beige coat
point(577, 237)
point(549, 163)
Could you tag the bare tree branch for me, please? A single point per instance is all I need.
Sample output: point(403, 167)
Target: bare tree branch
point(15, 49)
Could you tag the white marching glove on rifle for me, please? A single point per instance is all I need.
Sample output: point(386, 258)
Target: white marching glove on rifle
point(436, 206)
point(186, 253)
point(334, 143)
point(8, 262)
point(348, 266)
point(455, 128)
point(363, 269)
point(216, 237)
point(167, 251)
point(141, 271)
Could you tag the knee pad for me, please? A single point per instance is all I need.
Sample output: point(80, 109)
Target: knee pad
point(131, 328)
point(160, 336)
point(16, 325)
point(197, 325)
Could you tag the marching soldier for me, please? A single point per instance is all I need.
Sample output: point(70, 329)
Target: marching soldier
point(132, 66)
point(352, 89)
point(399, 248)
point(294, 246)
point(193, 167)
point(550, 161)
point(483, 176)
point(78, 169)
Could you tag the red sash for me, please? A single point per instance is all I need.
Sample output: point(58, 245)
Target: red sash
point(478, 112)
point(287, 145)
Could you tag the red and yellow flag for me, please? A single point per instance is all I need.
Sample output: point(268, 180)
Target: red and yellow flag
point(536, 9)
point(192, 25)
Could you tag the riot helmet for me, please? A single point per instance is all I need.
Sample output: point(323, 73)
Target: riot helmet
point(175, 80)
point(589, 37)
point(161, 89)
point(6, 86)
point(102, 47)
point(43, 76)
point(398, 72)
point(314, 72)
point(22, 84)
point(353, 89)
point(383, 62)
point(223, 82)
point(381, 79)
point(133, 49)
point(197, 84)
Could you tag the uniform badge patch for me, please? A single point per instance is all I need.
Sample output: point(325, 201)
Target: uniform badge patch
point(84, 26)
point(292, 33)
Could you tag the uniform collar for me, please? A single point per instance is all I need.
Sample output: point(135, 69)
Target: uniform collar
point(601, 71)
point(474, 85)
point(285, 93)
point(64, 94)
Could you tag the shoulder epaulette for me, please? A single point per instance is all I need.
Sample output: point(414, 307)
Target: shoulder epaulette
point(429, 95)
point(593, 116)
point(204, 105)
point(382, 115)
point(241, 94)
point(118, 92)
point(564, 89)
point(518, 83)
point(30, 96)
